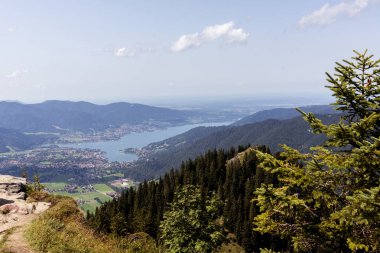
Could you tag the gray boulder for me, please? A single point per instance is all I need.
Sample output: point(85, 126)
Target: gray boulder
point(11, 188)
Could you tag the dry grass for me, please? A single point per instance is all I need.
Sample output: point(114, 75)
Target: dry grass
point(4, 237)
point(62, 229)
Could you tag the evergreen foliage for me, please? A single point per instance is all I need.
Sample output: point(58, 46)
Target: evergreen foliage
point(35, 188)
point(190, 225)
point(233, 178)
point(328, 200)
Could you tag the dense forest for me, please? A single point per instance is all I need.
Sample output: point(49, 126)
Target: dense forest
point(232, 175)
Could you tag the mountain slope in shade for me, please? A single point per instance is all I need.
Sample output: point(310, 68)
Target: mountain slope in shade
point(171, 152)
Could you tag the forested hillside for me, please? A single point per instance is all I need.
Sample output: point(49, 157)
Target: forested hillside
point(231, 175)
point(169, 153)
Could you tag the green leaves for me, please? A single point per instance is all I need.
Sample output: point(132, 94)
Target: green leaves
point(190, 223)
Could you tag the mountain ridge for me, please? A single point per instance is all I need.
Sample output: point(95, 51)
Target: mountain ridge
point(84, 116)
point(284, 113)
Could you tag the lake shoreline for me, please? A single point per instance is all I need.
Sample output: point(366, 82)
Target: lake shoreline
point(115, 149)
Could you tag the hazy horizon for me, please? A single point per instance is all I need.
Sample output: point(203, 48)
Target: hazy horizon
point(178, 102)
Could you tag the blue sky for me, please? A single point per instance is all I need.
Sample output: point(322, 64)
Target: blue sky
point(105, 51)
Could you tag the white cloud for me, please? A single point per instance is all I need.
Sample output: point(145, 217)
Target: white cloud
point(216, 31)
point(124, 52)
point(16, 73)
point(227, 32)
point(131, 52)
point(328, 13)
point(187, 41)
point(236, 35)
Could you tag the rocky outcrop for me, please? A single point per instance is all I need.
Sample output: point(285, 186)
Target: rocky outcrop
point(13, 206)
point(11, 189)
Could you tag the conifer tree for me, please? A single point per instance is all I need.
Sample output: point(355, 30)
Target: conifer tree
point(37, 186)
point(118, 225)
point(328, 200)
point(190, 226)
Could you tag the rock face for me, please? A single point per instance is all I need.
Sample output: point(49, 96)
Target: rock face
point(11, 189)
point(13, 207)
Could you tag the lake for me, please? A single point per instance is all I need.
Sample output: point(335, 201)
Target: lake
point(136, 140)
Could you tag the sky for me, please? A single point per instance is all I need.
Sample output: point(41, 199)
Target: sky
point(108, 50)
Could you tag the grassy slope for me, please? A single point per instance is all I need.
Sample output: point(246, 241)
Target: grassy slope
point(62, 228)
